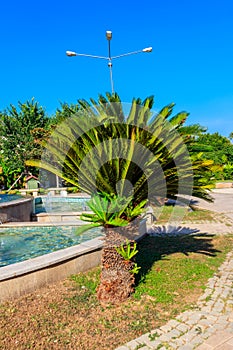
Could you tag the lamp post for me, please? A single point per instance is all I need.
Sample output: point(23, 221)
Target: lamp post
point(109, 58)
point(109, 38)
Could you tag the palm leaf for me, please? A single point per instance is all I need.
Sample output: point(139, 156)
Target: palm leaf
point(81, 229)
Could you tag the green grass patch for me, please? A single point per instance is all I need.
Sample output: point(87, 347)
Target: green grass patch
point(174, 268)
point(185, 214)
point(85, 287)
point(171, 268)
point(173, 274)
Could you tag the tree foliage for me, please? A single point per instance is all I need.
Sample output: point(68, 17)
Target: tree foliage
point(21, 133)
point(124, 160)
point(219, 149)
point(103, 130)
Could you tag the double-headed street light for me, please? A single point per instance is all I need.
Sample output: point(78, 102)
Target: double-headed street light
point(109, 58)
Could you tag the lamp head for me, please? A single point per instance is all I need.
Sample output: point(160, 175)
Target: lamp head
point(71, 53)
point(108, 34)
point(147, 49)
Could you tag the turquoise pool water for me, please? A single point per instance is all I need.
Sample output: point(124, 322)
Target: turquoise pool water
point(9, 197)
point(52, 204)
point(22, 243)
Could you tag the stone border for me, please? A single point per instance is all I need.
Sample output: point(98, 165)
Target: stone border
point(17, 210)
point(26, 276)
point(224, 185)
point(58, 217)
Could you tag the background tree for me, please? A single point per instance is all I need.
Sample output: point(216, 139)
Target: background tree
point(21, 133)
point(65, 111)
point(219, 149)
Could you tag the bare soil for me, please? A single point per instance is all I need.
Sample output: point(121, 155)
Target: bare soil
point(67, 315)
point(54, 318)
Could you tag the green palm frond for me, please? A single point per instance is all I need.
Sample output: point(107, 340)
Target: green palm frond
point(101, 150)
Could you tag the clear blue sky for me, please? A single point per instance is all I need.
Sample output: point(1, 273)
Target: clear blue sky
point(191, 63)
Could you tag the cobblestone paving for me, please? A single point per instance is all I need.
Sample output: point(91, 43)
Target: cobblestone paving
point(210, 324)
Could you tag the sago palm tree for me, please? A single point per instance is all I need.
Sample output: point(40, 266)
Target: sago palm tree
point(123, 159)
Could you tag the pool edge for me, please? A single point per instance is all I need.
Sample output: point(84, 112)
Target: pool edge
point(27, 276)
point(30, 275)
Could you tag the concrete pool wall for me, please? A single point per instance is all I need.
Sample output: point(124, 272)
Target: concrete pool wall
point(29, 275)
point(16, 210)
point(26, 276)
point(58, 217)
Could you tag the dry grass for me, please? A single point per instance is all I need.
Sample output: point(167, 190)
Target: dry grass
point(67, 315)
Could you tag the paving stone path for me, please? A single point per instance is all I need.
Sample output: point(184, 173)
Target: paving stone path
point(207, 326)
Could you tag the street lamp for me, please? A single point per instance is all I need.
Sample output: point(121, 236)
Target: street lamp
point(109, 58)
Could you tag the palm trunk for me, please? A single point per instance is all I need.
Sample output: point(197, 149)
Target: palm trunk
point(116, 281)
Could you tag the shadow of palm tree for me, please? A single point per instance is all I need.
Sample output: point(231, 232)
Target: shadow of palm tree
point(165, 242)
point(171, 231)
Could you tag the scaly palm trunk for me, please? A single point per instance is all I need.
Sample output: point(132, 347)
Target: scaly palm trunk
point(116, 281)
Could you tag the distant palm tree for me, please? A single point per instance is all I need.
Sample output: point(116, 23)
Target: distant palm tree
point(123, 160)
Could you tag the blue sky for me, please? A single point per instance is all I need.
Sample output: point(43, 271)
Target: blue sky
point(191, 63)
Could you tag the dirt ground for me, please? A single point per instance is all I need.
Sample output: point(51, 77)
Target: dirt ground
point(59, 317)
point(67, 315)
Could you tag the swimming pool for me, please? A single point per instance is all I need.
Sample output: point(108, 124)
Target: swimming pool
point(9, 197)
point(22, 243)
point(51, 204)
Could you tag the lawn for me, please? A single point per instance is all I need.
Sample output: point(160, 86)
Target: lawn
point(67, 315)
point(194, 216)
